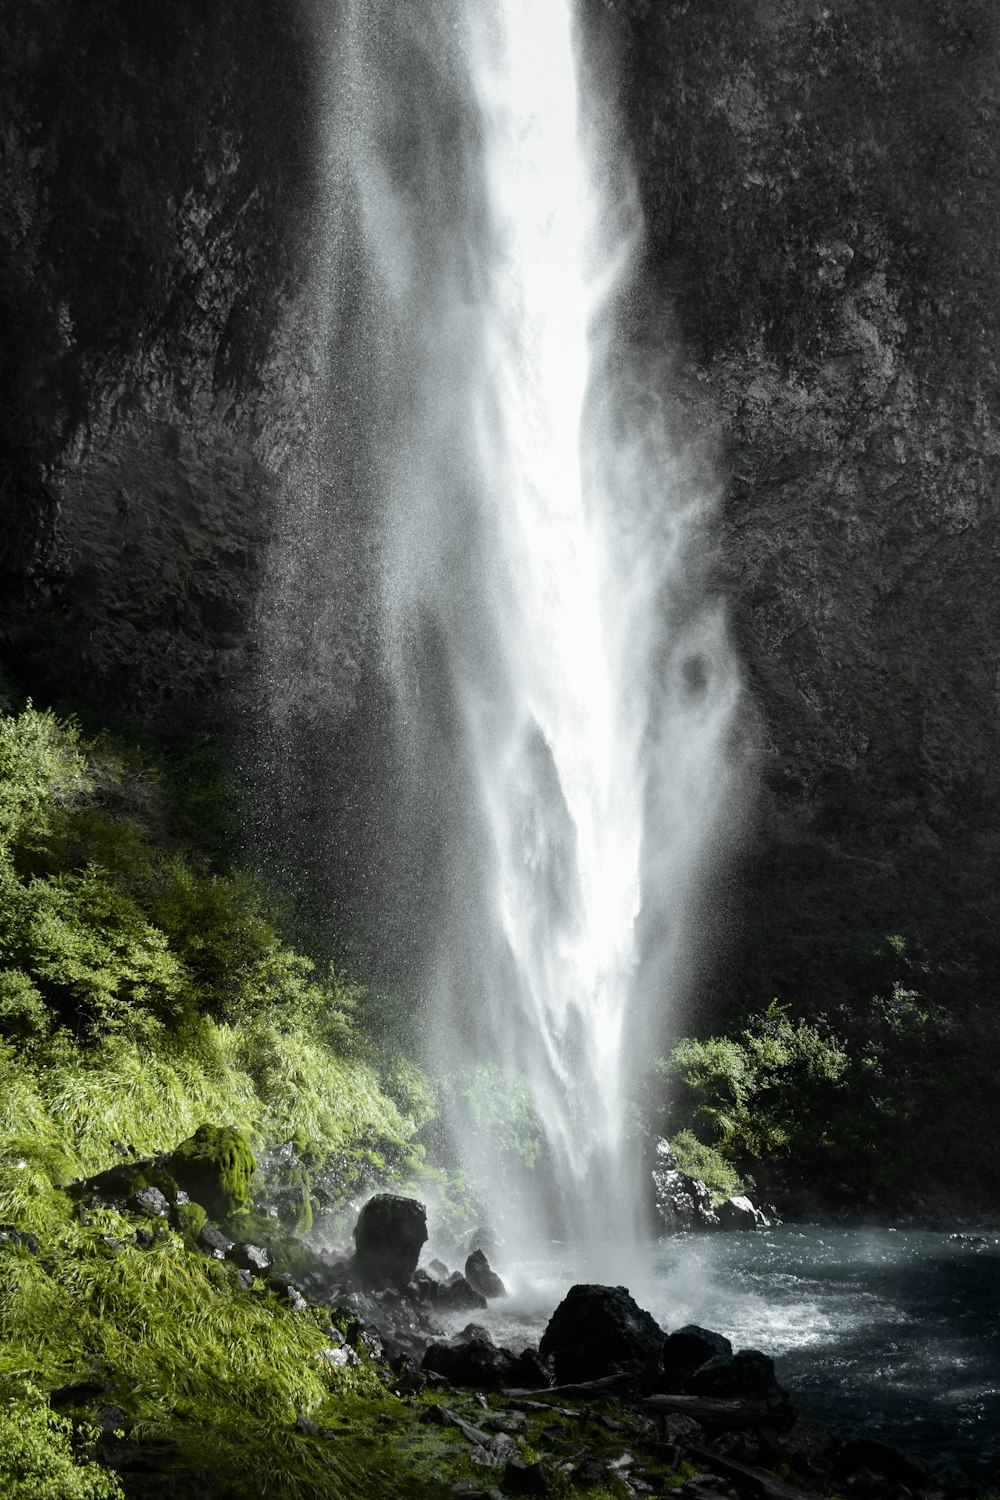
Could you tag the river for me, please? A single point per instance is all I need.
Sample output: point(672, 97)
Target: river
point(894, 1333)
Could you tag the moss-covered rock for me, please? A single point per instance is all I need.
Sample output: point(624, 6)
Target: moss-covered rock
point(214, 1166)
point(190, 1219)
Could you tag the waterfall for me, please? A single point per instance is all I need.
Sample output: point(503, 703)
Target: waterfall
point(564, 687)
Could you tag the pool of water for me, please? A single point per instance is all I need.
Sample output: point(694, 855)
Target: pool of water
point(893, 1333)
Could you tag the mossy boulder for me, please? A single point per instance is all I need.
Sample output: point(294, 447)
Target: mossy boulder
point(214, 1167)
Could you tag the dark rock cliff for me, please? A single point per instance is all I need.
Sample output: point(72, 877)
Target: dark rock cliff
point(155, 172)
point(820, 185)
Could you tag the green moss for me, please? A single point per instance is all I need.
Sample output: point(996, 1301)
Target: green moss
point(192, 1218)
point(215, 1166)
point(297, 1209)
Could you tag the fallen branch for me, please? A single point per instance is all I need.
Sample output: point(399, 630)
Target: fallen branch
point(716, 1412)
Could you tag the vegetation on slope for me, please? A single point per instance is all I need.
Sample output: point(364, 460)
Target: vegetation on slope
point(142, 994)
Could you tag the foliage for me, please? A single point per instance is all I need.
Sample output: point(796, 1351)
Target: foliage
point(708, 1164)
point(501, 1111)
point(143, 993)
point(766, 1092)
point(105, 928)
point(42, 1457)
point(40, 769)
point(879, 1098)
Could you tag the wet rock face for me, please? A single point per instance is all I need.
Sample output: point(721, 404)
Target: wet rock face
point(680, 1202)
point(819, 185)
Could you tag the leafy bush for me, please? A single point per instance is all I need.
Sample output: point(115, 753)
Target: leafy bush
point(106, 929)
point(708, 1164)
point(765, 1093)
point(141, 993)
point(40, 769)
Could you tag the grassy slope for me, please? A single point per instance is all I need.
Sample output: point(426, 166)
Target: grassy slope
point(143, 993)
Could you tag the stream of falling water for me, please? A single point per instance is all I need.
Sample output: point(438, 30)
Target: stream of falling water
point(563, 682)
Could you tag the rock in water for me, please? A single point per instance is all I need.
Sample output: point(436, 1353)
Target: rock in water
point(480, 1276)
point(686, 1350)
point(741, 1213)
point(388, 1238)
point(747, 1375)
point(600, 1330)
point(459, 1296)
point(681, 1202)
point(472, 1361)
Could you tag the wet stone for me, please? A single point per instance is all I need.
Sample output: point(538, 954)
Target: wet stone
point(482, 1278)
point(151, 1202)
point(521, 1478)
point(248, 1257)
point(212, 1240)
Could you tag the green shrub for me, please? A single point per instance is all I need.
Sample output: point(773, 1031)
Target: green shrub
point(708, 1164)
point(766, 1093)
point(41, 769)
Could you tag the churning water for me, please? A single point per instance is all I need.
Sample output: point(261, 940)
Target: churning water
point(892, 1334)
point(563, 682)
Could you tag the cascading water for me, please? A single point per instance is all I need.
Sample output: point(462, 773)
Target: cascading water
point(563, 683)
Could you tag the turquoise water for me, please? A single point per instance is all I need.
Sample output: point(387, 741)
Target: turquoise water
point(896, 1334)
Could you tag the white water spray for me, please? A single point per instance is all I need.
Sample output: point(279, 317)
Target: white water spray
point(564, 686)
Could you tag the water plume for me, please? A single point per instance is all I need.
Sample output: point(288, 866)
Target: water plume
point(563, 682)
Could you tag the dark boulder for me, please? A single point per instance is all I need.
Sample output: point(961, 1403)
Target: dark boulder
point(211, 1239)
point(686, 1350)
point(522, 1478)
point(600, 1330)
point(747, 1375)
point(459, 1296)
point(424, 1288)
point(530, 1371)
point(482, 1278)
point(741, 1213)
point(388, 1238)
point(256, 1259)
point(474, 1360)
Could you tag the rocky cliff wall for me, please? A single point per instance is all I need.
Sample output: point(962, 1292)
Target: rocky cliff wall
point(821, 187)
point(155, 178)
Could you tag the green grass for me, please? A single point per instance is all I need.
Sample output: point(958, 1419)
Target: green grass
point(144, 994)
